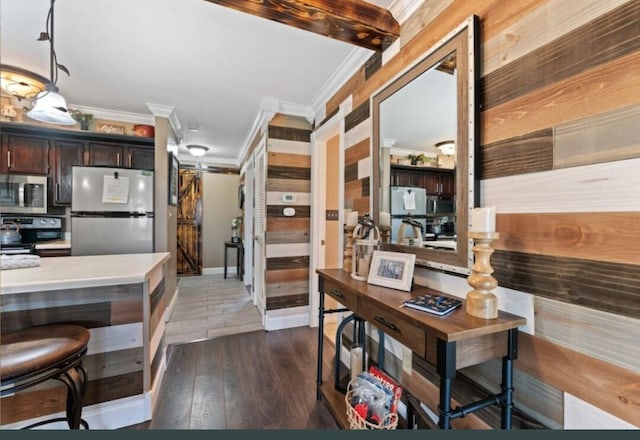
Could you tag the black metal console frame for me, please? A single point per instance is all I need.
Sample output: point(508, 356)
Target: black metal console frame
point(446, 368)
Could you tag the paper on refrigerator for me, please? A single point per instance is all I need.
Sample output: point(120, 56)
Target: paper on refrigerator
point(115, 190)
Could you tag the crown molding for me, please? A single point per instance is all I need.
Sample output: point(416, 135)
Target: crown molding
point(261, 119)
point(167, 111)
point(346, 70)
point(114, 115)
point(402, 9)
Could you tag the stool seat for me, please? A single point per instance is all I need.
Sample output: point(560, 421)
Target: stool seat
point(33, 349)
point(33, 355)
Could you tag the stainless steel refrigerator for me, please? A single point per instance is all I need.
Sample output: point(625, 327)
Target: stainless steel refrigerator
point(111, 211)
point(407, 200)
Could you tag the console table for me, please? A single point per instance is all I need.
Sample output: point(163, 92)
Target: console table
point(449, 342)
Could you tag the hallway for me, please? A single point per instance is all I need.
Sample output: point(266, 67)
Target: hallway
point(210, 306)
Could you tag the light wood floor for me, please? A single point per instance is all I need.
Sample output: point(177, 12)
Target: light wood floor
point(210, 306)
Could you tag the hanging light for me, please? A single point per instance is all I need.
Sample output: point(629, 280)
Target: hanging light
point(197, 150)
point(49, 106)
point(21, 83)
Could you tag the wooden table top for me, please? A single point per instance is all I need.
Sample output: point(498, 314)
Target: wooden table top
point(455, 326)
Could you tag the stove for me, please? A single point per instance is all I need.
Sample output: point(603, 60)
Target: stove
point(33, 229)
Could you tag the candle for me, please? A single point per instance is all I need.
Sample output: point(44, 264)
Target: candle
point(483, 219)
point(385, 219)
point(355, 361)
point(352, 218)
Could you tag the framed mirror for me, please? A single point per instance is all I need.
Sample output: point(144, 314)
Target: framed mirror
point(424, 139)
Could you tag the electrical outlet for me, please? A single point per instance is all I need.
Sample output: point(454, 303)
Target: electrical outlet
point(406, 360)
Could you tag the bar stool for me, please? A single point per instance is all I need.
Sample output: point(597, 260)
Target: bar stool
point(35, 354)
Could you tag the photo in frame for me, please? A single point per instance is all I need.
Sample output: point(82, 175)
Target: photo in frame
point(174, 165)
point(392, 269)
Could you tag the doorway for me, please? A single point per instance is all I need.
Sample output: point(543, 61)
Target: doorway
point(189, 220)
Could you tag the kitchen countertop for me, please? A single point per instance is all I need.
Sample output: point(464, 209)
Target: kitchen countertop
point(56, 244)
point(56, 273)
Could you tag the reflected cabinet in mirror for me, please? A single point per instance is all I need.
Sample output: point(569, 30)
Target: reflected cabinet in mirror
point(424, 136)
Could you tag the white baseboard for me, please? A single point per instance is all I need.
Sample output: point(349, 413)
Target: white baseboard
point(109, 415)
point(286, 318)
point(231, 271)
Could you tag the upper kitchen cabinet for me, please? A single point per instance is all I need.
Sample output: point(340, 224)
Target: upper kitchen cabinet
point(120, 155)
point(36, 150)
point(25, 154)
point(140, 158)
point(105, 154)
point(66, 154)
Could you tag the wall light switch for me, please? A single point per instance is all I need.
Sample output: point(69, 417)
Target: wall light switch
point(289, 212)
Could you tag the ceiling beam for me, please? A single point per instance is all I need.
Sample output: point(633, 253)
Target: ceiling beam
point(352, 21)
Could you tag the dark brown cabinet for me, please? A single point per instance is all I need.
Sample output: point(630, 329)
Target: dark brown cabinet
point(54, 252)
point(435, 181)
point(104, 154)
point(51, 152)
point(139, 158)
point(25, 154)
point(66, 154)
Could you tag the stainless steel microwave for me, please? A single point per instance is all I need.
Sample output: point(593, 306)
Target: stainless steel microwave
point(23, 194)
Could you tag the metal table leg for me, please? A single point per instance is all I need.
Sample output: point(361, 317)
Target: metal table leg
point(446, 367)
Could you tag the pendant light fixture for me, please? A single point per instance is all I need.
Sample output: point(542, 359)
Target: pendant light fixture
point(49, 106)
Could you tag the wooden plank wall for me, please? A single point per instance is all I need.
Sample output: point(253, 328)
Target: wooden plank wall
point(115, 357)
point(287, 237)
point(559, 158)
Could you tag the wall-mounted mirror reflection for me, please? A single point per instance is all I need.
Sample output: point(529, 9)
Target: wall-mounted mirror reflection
point(424, 141)
point(418, 133)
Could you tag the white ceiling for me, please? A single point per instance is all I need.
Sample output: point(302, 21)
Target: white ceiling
point(218, 68)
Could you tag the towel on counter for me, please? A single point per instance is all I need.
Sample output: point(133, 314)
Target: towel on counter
point(18, 261)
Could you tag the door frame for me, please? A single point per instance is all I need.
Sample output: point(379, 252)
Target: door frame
point(319, 139)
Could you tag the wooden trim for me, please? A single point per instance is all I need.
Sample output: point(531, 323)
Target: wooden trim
point(283, 302)
point(605, 236)
point(594, 91)
point(30, 404)
point(289, 160)
point(289, 224)
point(281, 263)
point(287, 172)
point(289, 133)
point(607, 38)
point(285, 275)
point(357, 115)
point(358, 151)
point(85, 315)
point(352, 21)
point(610, 388)
point(529, 153)
point(276, 211)
point(610, 287)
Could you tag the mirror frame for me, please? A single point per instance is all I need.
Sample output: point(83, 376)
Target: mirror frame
point(463, 40)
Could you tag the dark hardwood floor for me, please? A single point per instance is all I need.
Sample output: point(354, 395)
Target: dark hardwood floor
point(258, 380)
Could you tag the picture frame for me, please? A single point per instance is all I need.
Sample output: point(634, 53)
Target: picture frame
point(174, 165)
point(392, 269)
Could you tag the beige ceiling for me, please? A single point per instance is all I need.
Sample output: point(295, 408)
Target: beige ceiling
point(216, 67)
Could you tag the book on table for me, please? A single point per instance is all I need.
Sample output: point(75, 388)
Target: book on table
point(436, 304)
